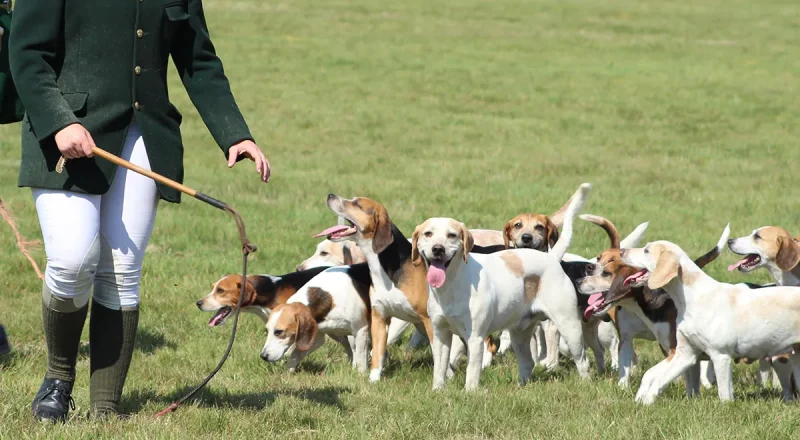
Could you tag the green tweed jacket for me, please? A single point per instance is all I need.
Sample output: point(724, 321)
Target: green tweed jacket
point(103, 62)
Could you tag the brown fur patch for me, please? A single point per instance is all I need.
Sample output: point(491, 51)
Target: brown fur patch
point(320, 303)
point(372, 220)
point(531, 288)
point(414, 284)
point(513, 263)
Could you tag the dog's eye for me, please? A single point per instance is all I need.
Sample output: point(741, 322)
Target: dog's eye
point(428, 234)
point(278, 333)
point(646, 251)
point(606, 274)
point(756, 236)
point(451, 235)
point(538, 227)
point(323, 254)
point(356, 204)
point(518, 225)
point(220, 290)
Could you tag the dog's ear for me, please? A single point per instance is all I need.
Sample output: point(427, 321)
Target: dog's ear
point(467, 242)
point(667, 268)
point(416, 258)
point(382, 237)
point(347, 256)
point(306, 329)
point(507, 233)
point(788, 255)
point(552, 233)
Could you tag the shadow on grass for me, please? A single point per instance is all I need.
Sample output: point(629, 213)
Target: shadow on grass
point(148, 341)
point(216, 398)
point(9, 359)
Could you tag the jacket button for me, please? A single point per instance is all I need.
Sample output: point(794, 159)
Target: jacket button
point(137, 106)
point(137, 70)
point(139, 33)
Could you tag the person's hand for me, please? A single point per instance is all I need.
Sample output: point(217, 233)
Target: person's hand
point(250, 150)
point(74, 141)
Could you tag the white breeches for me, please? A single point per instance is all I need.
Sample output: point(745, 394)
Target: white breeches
point(99, 240)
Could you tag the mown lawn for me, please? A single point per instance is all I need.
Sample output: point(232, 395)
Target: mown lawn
point(684, 114)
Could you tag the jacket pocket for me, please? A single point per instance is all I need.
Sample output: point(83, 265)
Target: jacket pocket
point(176, 12)
point(77, 102)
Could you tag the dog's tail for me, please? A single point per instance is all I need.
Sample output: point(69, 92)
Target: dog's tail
point(576, 204)
point(607, 226)
point(712, 255)
point(632, 240)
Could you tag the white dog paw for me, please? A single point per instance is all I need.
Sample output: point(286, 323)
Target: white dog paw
point(624, 383)
point(375, 376)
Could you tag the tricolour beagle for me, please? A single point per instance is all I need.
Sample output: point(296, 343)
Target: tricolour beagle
point(331, 304)
point(399, 287)
point(724, 321)
point(472, 295)
point(643, 313)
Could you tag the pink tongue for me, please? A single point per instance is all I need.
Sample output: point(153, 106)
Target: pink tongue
point(595, 300)
point(332, 230)
point(436, 275)
point(736, 265)
point(634, 277)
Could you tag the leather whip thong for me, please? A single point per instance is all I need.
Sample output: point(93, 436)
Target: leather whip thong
point(247, 249)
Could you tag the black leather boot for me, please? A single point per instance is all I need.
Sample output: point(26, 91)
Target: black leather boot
point(53, 401)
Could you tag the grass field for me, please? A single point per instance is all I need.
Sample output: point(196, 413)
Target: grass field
point(684, 114)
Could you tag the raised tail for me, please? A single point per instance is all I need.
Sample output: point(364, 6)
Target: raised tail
point(632, 240)
point(607, 226)
point(576, 204)
point(712, 255)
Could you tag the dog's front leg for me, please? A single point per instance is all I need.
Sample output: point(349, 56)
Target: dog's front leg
point(723, 368)
point(552, 339)
point(297, 355)
point(379, 329)
point(457, 350)
point(684, 358)
point(442, 339)
point(475, 347)
point(344, 341)
point(626, 354)
point(707, 375)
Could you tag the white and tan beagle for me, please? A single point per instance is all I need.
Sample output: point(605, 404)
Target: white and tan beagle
point(473, 295)
point(724, 321)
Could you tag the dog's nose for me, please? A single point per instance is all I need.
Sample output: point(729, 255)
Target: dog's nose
point(331, 196)
point(590, 268)
point(298, 268)
point(527, 238)
point(264, 356)
point(199, 304)
point(730, 241)
point(622, 252)
point(438, 250)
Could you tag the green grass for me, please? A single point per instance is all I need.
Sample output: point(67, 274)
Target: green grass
point(684, 114)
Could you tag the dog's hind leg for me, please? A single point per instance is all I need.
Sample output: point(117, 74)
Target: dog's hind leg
point(344, 341)
point(457, 350)
point(505, 342)
point(591, 339)
point(520, 342)
point(551, 336)
point(396, 329)
point(764, 372)
point(783, 369)
point(571, 329)
point(362, 349)
point(692, 378)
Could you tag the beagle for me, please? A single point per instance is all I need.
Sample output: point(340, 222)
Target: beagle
point(399, 287)
point(641, 313)
point(328, 254)
point(473, 295)
point(723, 321)
point(773, 248)
point(334, 304)
point(262, 293)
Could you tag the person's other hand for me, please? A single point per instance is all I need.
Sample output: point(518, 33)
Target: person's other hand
point(250, 150)
point(74, 141)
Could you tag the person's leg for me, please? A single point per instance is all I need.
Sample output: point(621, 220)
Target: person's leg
point(70, 224)
point(127, 215)
point(5, 347)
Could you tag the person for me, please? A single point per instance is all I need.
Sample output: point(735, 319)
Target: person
point(93, 73)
